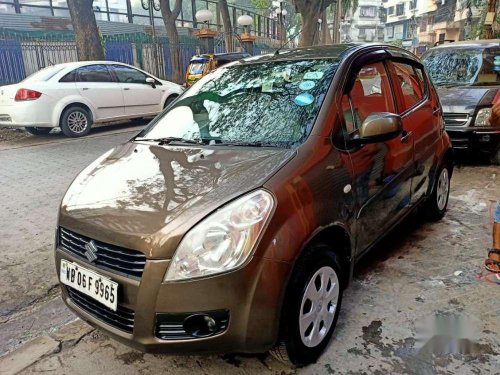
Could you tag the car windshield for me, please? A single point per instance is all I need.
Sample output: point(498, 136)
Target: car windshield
point(196, 67)
point(44, 74)
point(271, 103)
point(463, 66)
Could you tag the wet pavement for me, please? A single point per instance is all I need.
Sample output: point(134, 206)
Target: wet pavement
point(420, 302)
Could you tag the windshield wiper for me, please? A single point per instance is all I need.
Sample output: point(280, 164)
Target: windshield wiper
point(169, 140)
point(239, 143)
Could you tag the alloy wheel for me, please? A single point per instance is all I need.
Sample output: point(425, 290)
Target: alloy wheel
point(319, 303)
point(443, 188)
point(77, 122)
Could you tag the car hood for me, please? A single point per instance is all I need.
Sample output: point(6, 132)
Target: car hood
point(464, 99)
point(146, 197)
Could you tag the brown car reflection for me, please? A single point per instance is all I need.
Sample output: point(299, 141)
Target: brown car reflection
point(233, 222)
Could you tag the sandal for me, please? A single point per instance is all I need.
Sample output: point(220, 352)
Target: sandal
point(491, 264)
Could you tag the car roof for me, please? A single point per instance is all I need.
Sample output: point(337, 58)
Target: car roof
point(77, 64)
point(226, 55)
point(485, 43)
point(332, 51)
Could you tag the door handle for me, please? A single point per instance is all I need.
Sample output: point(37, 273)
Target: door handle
point(126, 88)
point(84, 88)
point(405, 137)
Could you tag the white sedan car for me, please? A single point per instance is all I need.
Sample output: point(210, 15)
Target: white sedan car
point(74, 96)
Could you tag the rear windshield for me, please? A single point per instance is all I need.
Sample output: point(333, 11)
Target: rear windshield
point(196, 68)
point(463, 66)
point(272, 103)
point(45, 74)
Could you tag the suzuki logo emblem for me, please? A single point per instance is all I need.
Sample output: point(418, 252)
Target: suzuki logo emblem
point(91, 252)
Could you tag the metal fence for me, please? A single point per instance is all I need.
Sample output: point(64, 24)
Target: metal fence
point(23, 53)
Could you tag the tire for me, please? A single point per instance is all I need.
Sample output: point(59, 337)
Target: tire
point(76, 122)
point(301, 343)
point(38, 131)
point(495, 157)
point(169, 100)
point(437, 202)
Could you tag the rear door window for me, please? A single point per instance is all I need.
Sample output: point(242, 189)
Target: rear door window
point(94, 73)
point(409, 80)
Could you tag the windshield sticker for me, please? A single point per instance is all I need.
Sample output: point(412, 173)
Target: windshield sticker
point(267, 86)
point(303, 99)
point(306, 85)
point(313, 75)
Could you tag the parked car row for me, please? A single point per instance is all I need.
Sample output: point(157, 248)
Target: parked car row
point(75, 96)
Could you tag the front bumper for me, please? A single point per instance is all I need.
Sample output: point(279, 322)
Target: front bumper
point(251, 296)
point(485, 140)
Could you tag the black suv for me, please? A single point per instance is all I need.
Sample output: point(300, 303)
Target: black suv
point(467, 77)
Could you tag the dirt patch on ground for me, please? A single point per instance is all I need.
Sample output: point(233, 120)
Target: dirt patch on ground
point(11, 134)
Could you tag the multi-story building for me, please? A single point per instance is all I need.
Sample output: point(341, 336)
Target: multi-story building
point(366, 24)
point(401, 24)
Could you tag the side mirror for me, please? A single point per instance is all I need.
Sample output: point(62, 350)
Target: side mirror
point(151, 82)
point(379, 127)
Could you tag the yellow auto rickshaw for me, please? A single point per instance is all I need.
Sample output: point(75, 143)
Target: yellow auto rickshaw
point(201, 65)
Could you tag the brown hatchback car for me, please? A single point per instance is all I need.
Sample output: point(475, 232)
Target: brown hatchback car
point(233, 222)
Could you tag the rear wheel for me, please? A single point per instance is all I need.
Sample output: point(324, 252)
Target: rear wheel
point(311, 307)
point(38, 131)
point(438, 201)
point(76, 121)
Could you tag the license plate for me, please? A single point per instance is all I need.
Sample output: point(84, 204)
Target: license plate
point(99, 287)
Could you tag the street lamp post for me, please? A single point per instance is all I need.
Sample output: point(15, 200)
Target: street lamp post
point(281, 12)
point(246, 37)
point(205, 34)
point(151, 6)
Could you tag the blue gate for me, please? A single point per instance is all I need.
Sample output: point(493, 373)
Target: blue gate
point(119, 51)
point(186, 52)
point(11, 62)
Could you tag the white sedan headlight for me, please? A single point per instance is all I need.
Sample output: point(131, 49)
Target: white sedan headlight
point(483, 117)
point(224, 240)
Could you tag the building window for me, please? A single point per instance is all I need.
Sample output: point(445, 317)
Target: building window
point(7, 8)
point(390, 11)
point(400, 9)
point(390, 31)
point(413, 4)
point(442, 37)
point(368, 11)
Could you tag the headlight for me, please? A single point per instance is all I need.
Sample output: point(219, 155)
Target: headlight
point(483, 117)
point(224, 240)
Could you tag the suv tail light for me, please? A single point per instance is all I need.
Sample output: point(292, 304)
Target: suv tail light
point(26, 94)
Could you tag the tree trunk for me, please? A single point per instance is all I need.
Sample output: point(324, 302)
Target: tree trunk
point(173, 41)
point(88, 42)
point(310, 32)
point(226, 21)
point(326, 37)
point(169, 17)
point(310, 11)
point(491, 6)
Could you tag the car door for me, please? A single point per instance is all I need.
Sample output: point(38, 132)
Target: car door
point(140, 97)
point(381, 171)
point(420, 117)
point(98, 87)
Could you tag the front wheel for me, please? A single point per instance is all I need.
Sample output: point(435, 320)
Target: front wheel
point(38, 131)
point(76, 121)
point(311, 308)
point(438, 201)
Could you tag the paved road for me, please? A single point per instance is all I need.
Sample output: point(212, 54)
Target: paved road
point(424, 273)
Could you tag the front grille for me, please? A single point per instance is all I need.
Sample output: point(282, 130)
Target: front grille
point(456, 119)
point(122, 318)
point(115, 258)
point(5, 118)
